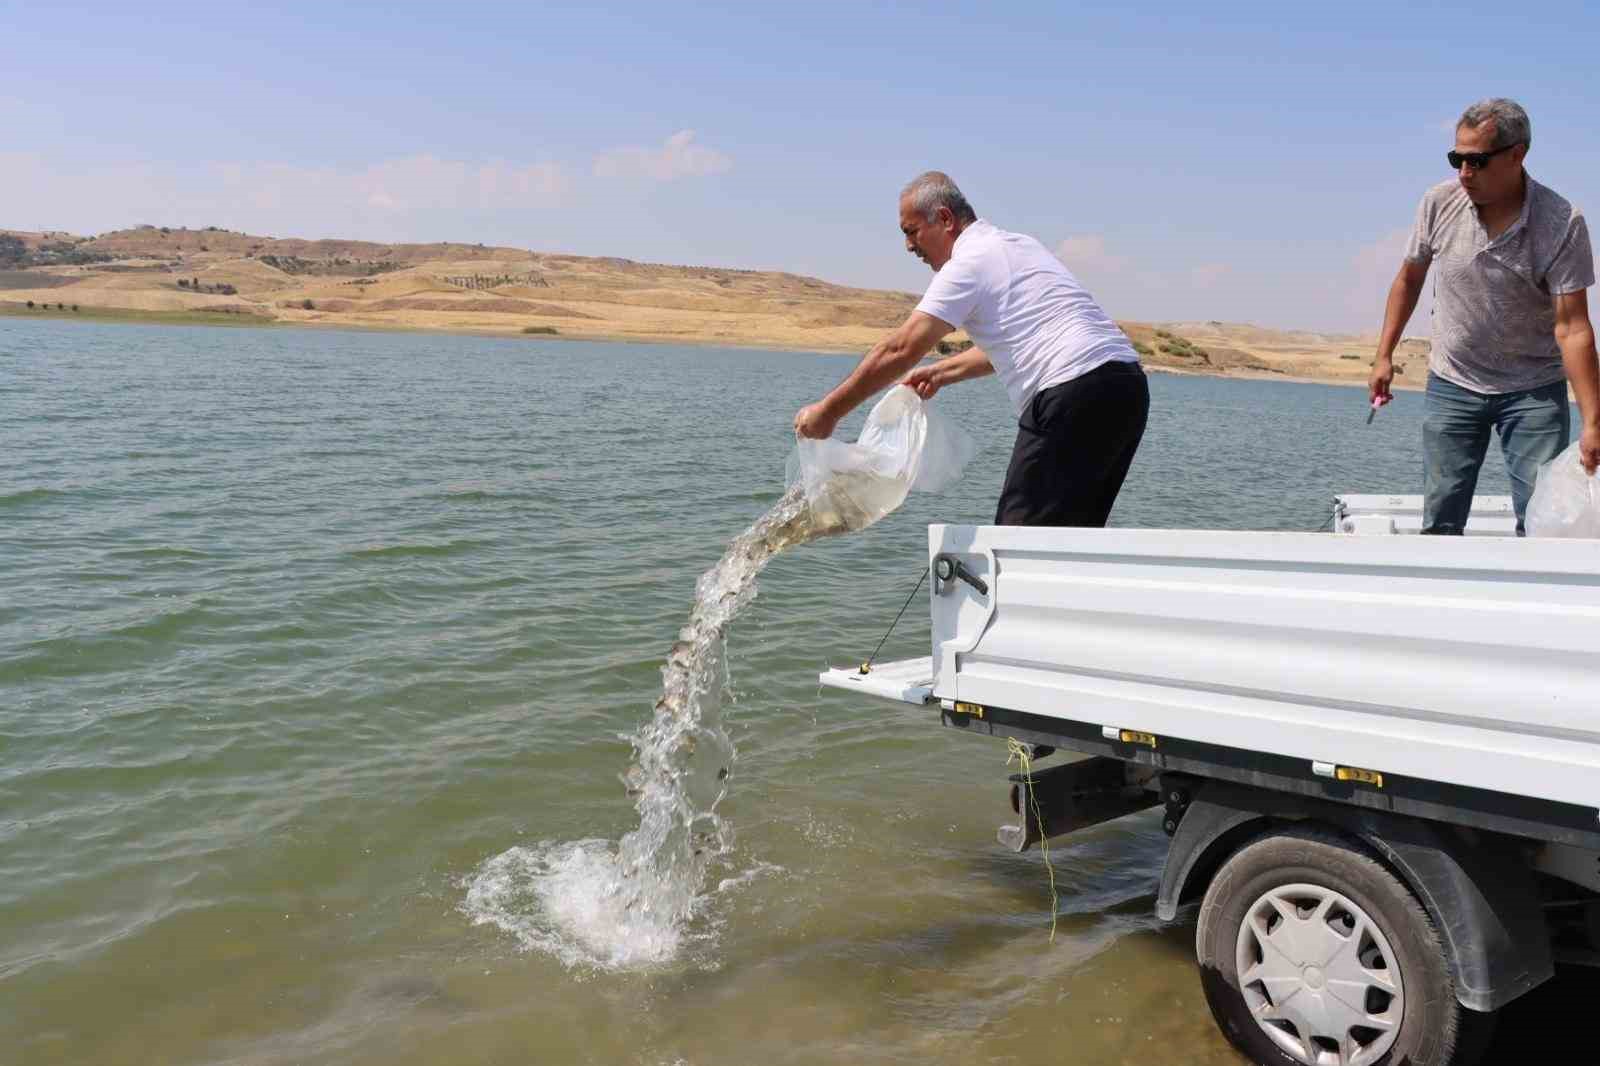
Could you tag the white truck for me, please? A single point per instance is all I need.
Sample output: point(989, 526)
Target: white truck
point(1378, 755)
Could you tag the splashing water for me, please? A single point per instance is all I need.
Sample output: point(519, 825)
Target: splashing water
point(589, 903)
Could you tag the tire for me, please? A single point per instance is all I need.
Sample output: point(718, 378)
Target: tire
point(1342, 965)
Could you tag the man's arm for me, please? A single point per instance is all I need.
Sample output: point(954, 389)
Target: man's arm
point(1575, 335)
point(1403, 296)
point(963, 366)
point(889, 359)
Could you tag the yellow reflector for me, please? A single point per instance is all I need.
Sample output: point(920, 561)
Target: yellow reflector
point(969, 708)
point(1355, 773)
point(1133, 736)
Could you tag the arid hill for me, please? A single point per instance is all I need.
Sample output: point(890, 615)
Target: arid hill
point(217, 275)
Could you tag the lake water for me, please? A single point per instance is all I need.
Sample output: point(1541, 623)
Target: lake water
point(301, 630)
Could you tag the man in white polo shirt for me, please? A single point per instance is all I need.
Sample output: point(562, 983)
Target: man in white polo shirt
point(1075, 381)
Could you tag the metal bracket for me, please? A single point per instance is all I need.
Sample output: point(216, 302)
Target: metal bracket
point(1075, 796)
point(947, 568)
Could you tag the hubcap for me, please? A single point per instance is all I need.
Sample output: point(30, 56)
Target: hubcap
point(1319, 976)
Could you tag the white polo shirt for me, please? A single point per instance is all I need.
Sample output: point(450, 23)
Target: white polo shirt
point(1018, 303)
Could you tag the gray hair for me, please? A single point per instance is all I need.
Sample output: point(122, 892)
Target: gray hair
point(1511, 123)
point(933, 190)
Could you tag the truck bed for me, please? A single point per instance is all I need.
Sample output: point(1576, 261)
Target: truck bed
point(1468, 662)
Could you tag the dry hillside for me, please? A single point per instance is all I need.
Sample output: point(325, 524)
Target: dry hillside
point(215, 272)
point(218, 275)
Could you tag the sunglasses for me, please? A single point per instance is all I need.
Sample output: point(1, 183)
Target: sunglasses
point(1476, 160)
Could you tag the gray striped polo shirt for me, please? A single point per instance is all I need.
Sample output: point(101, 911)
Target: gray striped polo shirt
point(1493, 318)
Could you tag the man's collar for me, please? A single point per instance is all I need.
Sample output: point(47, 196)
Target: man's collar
point(968, 228)
point(1527, 199)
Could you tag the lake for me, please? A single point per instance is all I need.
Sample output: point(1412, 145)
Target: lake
point(301, 629)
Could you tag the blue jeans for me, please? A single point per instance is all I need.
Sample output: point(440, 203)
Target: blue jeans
point(1533, 426)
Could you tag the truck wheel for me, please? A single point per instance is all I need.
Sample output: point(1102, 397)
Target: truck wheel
point(1312, 953)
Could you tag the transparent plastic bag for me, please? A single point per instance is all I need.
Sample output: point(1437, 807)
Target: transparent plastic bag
point(1566, 500)
point(903, 446)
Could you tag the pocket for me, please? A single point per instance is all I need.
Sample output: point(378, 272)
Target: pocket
point(1033, 417)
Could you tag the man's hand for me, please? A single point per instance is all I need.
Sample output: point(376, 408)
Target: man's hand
point(815, 421)
point(1589, 447)
point(925, 380)
point(1575, 335)
point(1379, 380)
point(889, 358)
point(1403, 294)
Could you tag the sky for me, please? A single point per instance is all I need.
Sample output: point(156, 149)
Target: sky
point(1233, 161)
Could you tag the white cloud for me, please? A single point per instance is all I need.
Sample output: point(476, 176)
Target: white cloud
point(414, 183)
point(1088, 255)
point(1370, 272)
point(377, 201)
point(679, 157)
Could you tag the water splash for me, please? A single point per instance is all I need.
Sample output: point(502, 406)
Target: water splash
point(617, 907)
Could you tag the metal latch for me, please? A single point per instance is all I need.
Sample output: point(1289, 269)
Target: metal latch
point(947, 568)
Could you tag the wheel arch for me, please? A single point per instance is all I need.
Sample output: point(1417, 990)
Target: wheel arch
point(1477, 887)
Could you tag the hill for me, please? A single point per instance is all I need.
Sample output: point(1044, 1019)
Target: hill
point(214, 274)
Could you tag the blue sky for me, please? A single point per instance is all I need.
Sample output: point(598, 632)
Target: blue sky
point(1245, 162)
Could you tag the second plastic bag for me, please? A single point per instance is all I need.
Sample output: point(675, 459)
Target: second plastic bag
point(902, 447)
point(1566, 500)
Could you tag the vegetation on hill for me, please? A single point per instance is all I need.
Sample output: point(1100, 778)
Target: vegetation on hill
point(16, 254)
point(151, 273)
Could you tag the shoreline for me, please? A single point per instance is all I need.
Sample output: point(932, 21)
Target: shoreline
point(134, 317)
point(130, 316)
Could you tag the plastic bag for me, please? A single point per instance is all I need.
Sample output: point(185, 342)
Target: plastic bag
point(1566, 500)
point(902, 447)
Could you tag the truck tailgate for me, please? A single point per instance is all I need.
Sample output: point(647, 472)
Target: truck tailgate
point(908, 680)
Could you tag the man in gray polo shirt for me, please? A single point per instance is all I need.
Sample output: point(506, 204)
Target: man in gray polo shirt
point(1510, 318)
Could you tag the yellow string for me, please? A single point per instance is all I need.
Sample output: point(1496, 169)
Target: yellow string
point(1017, 750)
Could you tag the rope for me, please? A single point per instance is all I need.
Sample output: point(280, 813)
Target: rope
point(1017, 750)
point(866, 667)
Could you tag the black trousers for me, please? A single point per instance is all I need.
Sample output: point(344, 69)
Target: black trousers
point(1075, 442)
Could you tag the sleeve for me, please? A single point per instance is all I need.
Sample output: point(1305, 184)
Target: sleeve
point(1572, 270)
point(954, 293)
point(1419, 247)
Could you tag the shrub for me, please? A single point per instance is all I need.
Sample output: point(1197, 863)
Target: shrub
point(74, 307)
point(546, 330)
point(12, 250)
point(183, 283)
point(1141, 348)
point(30, 305)
point(308, 305)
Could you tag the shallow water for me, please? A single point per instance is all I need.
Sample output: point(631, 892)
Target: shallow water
point(303, 631)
